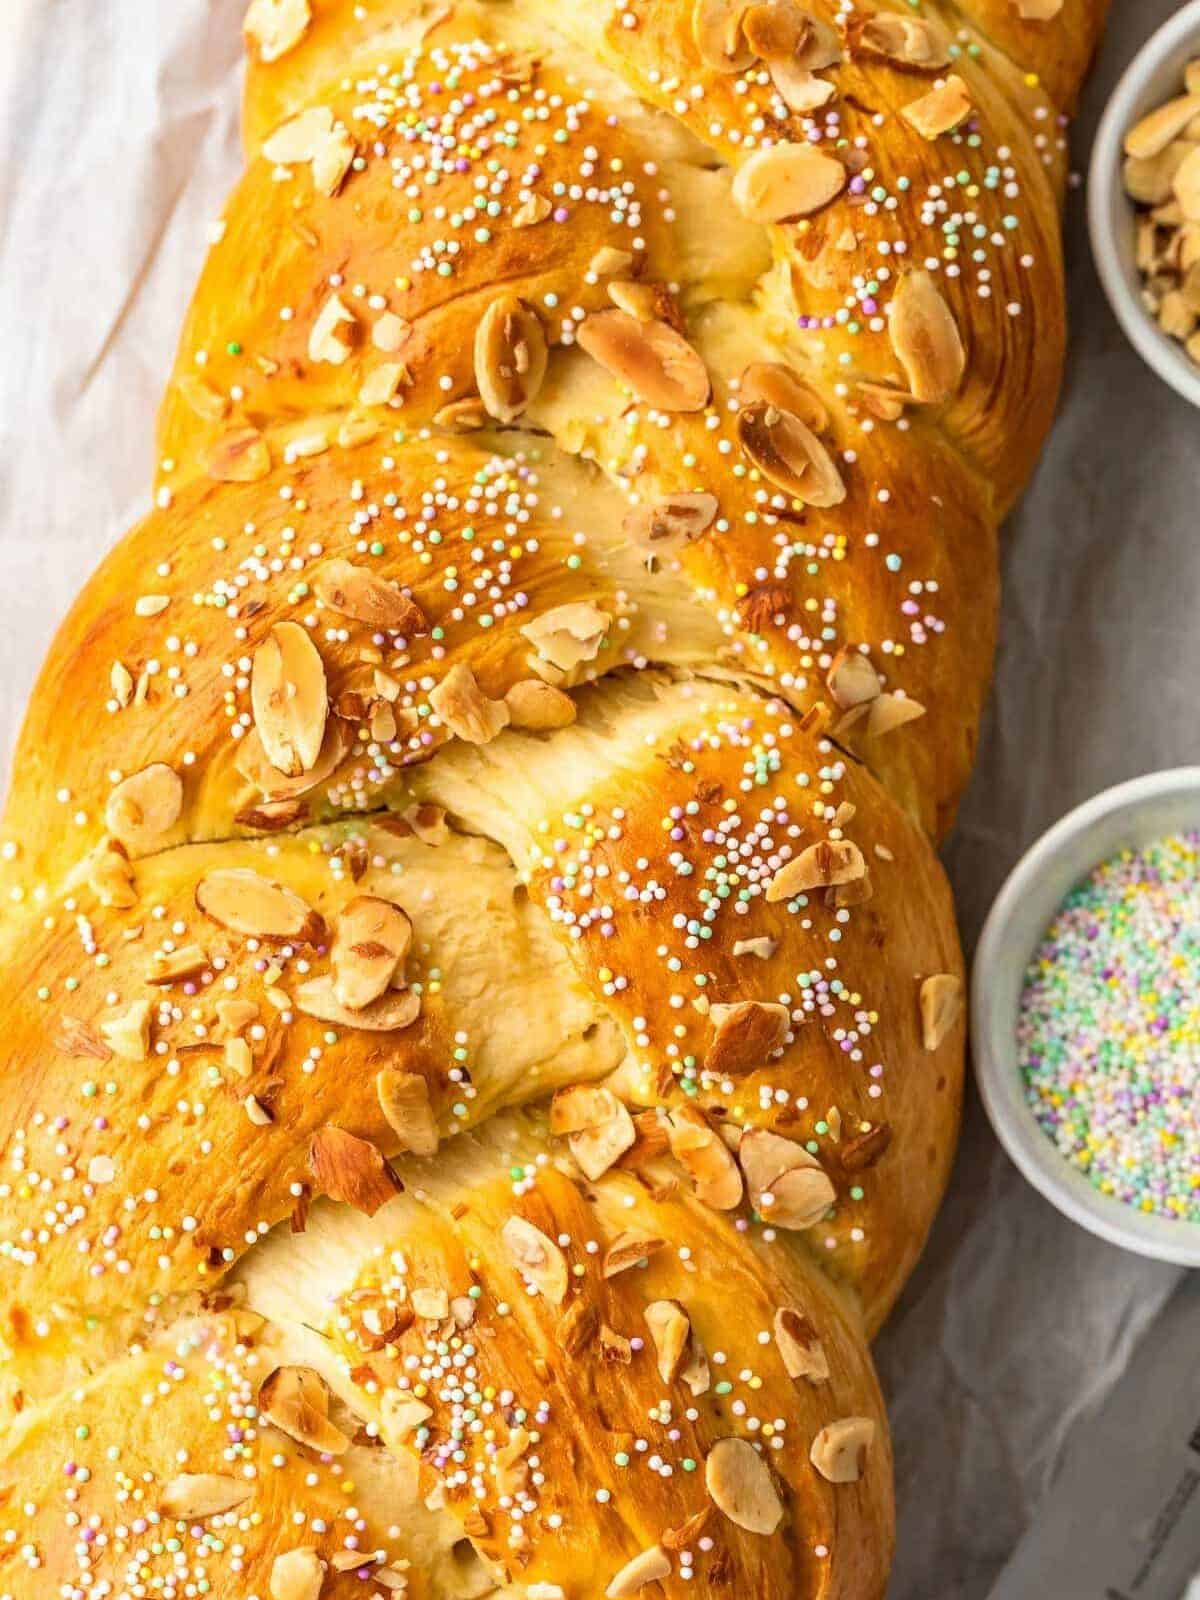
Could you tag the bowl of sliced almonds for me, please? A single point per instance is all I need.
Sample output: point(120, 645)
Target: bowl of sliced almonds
point(1144, 201)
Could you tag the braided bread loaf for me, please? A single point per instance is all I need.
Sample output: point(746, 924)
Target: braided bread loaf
point(485, 1036)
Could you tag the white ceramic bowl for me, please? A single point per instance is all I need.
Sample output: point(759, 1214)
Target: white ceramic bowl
point(1135, 814)
point(1153, 76)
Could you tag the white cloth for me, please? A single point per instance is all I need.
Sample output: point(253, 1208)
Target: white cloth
point(118, 141)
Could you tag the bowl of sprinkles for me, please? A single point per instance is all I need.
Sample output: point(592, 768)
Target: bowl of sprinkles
point(1086, 1015)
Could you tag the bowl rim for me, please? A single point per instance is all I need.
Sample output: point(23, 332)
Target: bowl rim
point(1107, 203)
point(997, 1076)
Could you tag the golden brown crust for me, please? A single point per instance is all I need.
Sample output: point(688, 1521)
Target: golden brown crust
point(564, 621)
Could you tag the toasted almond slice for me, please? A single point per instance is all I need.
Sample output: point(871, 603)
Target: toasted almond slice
point(941, 1002)
point(883, 400)
point(667, 524)
point(865, 1148)
point(382, 384)
point(645, 302)
point(1151, 182)
point(110, 875)
point(371, 939)
point(705, 1157)
point(351, 1169)
point(299, 137)
point(299, 1574)
point(465, 709)
point(1186, 185)
point(462, 416)
point(127, 1032)
point(739, 1484)
point(532, 211)
point(329, 337)
point(821, 866)
point(510, 356)
point(1038, 10)
point(399, 1414)
point(891, 711)
point(925, 337)
point(245, 902)
point(274, 27)
point(745, 1035)
point(671, 1331)
point(356, 591)
point(207, 402)
point(1151, 136)
point(778, 385)
point(717, 31)
point(609, 261)
point(174, 965)
point(904, 41)
point(799, 89)
point(404, 1101)
point(239, 457)
point(800, 1349)
point(253, 765)
point(568, 635)
point(789, 455)
point(839, 1451)
point(787, 1186)
point(391, 1012)
point(648, 1566)
point(296, 1401)
point(144, 806)
point(784, 181)
point(596, 1124)
point(539, 1260)
point(431, 1304)
point(289, 698)
point(658, 364)
point(391, 333)
point(627, 1250)
point(851, 679)
point(943, 109)
point(539, 706)
point(195, 1496)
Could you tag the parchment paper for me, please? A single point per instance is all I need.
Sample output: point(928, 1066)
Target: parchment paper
point(117, 144)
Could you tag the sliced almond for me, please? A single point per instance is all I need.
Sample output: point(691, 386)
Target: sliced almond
point(355, 591)
point(650, 358)
point(745, 1035)
point(194, 1496)
point(351, 1169)
point(781, 182)
point(596, 1125)
point(786, 1184)
point(239, 457)
point(822, 865)
point(800, 1349)
point(799, 89)
point(400, 1413)
point(392, 1011)
point(648, 1566)
point(568, 635)
point(382, 384)
point(391, 333)
point(510, 357)
point(904, 41)
point(779, 386)
point(538, 1259)
point(110, 875)
point(127, 1032)
point(465, 709)
point(739, 1484)
point(258, 908)
point(946, 107)
point(315, 138)
point(705, 1157)
point(891, 711)
point(532, 211)
point(289, 698)
point(329, 337)
point(884, 400)
point(462, 416)
point(404, 1101)
point(667, 524)
point(670, 1330)
point(941, 1002)
point(784, 30)
point(1186, 185)
point(254, 766)
point(1151, 136)
point(371, 939)
point(172, 966)
point(539, 706)
point(925, 338)
point(144, 806)
point(296, 1401)
point(274, 27)
point(717, 31)
point(839, 1451)
point(863, 1149)
point(298, 1574)
point(628, 1250)
point(789, 455)
point(1038, 10)
point(852, 680)
point(208, 403)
